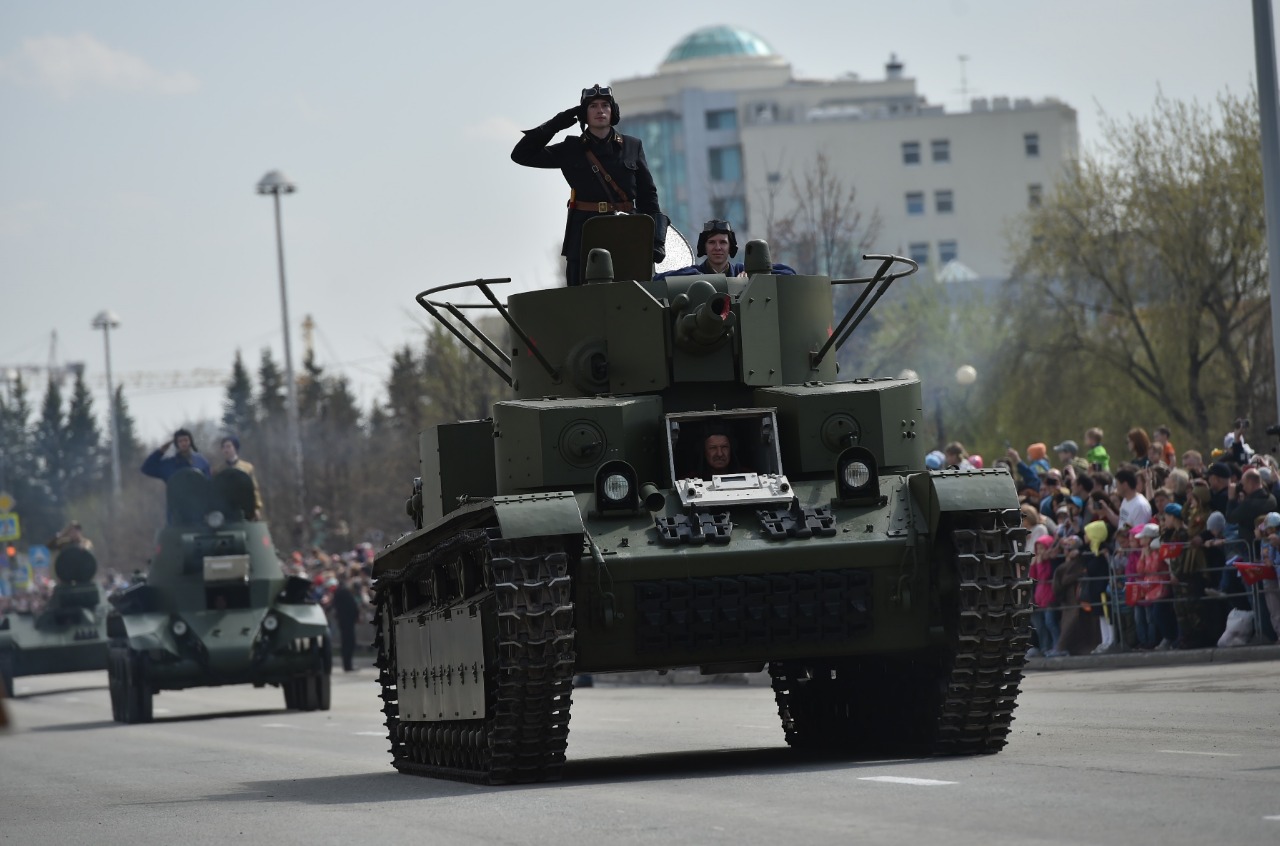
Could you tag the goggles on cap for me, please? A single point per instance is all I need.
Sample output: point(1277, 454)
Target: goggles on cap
point(717, 226)
point(596, 91)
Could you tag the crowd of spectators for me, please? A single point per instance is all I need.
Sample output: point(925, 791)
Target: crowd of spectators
point(1149, 549)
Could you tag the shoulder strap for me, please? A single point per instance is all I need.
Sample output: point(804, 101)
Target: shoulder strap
point(604, 177)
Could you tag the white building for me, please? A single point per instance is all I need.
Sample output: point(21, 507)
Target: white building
point(725, 124)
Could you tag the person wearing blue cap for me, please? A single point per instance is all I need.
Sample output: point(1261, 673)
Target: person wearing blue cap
point(232, 460)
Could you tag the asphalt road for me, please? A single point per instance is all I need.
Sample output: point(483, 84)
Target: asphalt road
point(1166, 755)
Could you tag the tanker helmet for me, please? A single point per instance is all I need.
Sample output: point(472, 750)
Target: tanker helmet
point(720, 227)
point(598, 92)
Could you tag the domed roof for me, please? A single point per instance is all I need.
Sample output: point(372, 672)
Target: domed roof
point(712, 41)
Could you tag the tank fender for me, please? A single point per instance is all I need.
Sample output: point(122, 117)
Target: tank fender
point(944, 491)
point(306, 615)
point(149, 631)
point(533, 514)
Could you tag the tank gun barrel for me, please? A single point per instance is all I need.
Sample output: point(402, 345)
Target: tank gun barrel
point(705, 325)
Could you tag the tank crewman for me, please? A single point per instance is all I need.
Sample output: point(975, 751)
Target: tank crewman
point(718, 454)
point(72, 537)
point(184, 455)
point(606, 171)
point(719, 245)
point(231, 459)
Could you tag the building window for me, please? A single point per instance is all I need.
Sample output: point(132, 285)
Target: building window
point(910, 152)
point(1031, 143)
point(732, 209)
point(1034, 194)
point(915, 202)
point(726, 164)
point(941, 150)
point(722, 119)
point(943, 202)
point(947, 251)
point(919, 252)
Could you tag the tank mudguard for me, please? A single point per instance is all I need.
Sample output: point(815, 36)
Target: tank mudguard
point(306, 615)
point(534, 514)
point(149, 631)
point(945, 491)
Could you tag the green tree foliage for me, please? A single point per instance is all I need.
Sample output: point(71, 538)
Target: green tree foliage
point(238, 408)
point(1140, 285)
point(131, 449)
point(271, 389)
point(83, 457)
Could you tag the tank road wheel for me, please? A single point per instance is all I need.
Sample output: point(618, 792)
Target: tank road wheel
point(525, 595)
point(956, 701)
point(135, 701)
point(318, 680)
point(6, 672)
point(115, 681)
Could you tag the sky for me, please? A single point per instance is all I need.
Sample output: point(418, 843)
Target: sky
point(133, 135)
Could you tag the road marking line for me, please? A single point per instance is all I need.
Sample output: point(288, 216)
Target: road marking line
point(161, 711)
point(614, 720)
point(927, 782)
point(1211, 754)
point(1272, 818)
point(73, 699)
point(370, 734)
point(277, 726)
point(755, 727)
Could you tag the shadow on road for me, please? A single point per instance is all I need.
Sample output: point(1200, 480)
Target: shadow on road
point(40, 694)
point(390, 786)
point(178, 718)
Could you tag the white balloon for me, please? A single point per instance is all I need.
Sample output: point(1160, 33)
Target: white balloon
point(966, 374)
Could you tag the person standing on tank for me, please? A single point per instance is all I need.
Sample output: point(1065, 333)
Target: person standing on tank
point(606, 171)
point(185, 455)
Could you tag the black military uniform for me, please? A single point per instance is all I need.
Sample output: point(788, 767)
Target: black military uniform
point(621, 156)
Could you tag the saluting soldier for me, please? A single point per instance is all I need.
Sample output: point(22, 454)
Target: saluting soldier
point(606, 170)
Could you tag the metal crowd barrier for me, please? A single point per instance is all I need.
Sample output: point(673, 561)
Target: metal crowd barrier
point(1114, 598)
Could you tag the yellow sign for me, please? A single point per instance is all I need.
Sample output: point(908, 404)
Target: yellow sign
point(6, 502)
point(10, 528)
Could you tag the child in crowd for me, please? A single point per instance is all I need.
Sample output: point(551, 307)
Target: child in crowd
point(1095, 453)
point(1042, 617)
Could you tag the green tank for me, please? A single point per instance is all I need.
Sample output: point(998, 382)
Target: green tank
point(68, 635)
point(215, 607)
point(680, 479)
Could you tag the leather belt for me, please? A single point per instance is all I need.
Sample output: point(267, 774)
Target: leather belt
point(602, 208)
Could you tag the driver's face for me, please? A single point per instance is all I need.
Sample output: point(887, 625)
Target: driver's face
point(718, 250)
point(716, 449)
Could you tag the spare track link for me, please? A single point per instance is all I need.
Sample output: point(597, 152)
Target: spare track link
point(981, 672)
point(528, 693)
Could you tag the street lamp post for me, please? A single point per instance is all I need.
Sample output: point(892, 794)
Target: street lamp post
point(106, 321)
point(275, 184)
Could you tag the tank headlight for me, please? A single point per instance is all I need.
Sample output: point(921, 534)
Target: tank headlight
point(215, 519)
point(617, 487)
point(856, 474)
point(179, 627)
point(271, 623)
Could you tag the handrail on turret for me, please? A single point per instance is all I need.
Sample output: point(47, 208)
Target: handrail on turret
point(435, 310)
point(876, 284)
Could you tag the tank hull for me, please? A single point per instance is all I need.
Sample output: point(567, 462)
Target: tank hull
point(33, 645)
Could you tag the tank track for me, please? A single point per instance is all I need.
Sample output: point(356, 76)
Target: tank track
point(528, 679)
point(960, 702)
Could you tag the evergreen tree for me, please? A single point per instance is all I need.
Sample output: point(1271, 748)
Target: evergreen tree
point(404, 391)
point(50, 448)
point(82, 444)
point(271, 389)
point(238, 409)
point(311, 389)
point(17, 457)
point(131, 449)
